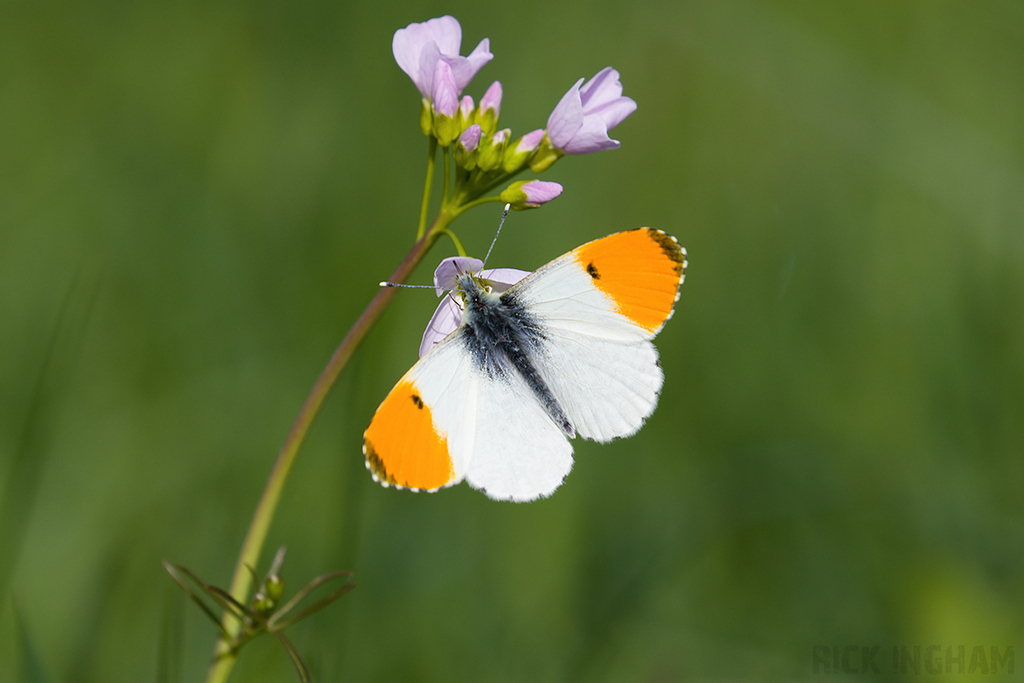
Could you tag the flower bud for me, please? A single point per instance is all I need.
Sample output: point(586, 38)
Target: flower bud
point(544, 156)
point(466, 146)
point(274, 587)
point(530, 194)
point(490, 108)
point(261, 604)
point(519, 151)
point(466, 112)
point(492, 150)
point(445, 105)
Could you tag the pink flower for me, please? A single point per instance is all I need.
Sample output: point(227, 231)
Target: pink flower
point(448, 316)
point(418, 48)
point(580, 122)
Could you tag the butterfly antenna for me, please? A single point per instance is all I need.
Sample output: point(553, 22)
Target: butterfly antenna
point(504, 215)
point(399, 284)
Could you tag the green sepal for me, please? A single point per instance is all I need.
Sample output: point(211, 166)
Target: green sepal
point(491, 154)
point(544, 157)
point(515, 196)
point(426, 117)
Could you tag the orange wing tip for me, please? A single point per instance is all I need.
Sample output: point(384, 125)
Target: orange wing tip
point(639, 271)
point(671, 248)
point(682, 277)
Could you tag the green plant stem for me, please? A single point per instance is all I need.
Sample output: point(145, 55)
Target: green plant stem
point(427, 184)
point(455, 241)
point(476, 202)
point(446, 176)
point(223, 655)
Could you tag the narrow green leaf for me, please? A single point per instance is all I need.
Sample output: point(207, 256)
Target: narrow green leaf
point(169, 647)
point(300, 666)
point(31, 666)
point(29, 455)
point(192, 594)
point(274, 624)
point(306, 590)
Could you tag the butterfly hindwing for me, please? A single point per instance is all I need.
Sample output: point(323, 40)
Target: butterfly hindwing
point(518, 452)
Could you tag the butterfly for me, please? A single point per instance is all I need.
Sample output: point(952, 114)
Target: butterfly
point(526, 364)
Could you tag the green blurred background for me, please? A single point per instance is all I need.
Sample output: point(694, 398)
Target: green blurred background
point(197, 200)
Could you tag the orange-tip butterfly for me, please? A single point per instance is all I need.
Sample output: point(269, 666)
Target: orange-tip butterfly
point(521, 369)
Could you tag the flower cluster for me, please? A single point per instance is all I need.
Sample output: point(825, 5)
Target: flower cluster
point(488, 157)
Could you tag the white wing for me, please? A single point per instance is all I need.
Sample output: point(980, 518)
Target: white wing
point(518, 452)
point(499, 436)
point(600, 365)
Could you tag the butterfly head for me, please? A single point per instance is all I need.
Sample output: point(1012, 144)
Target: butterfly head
point(461, 276)
point(453, 272)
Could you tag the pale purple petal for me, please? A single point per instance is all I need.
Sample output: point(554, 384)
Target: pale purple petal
point(464, 68)
point(408, 45)
point(446, 32)
point(503, 278)
point(446, 319)
point(540, 191)
point(418, 47)
point(580, 122)
point(566, 118)
point(424, 79)
point(614, 113)
point(601, 89)
point(602, 97)
point(591, 137)
point(468, 66)
point(449, 270)
point(444, 95)
point(466, 106)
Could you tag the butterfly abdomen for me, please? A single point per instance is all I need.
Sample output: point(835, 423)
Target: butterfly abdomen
point(503, 337)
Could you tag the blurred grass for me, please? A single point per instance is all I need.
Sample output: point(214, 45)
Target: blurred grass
point(836, 458)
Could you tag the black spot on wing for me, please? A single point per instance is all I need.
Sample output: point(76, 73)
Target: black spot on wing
point(417, 401)
point(592, 271)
